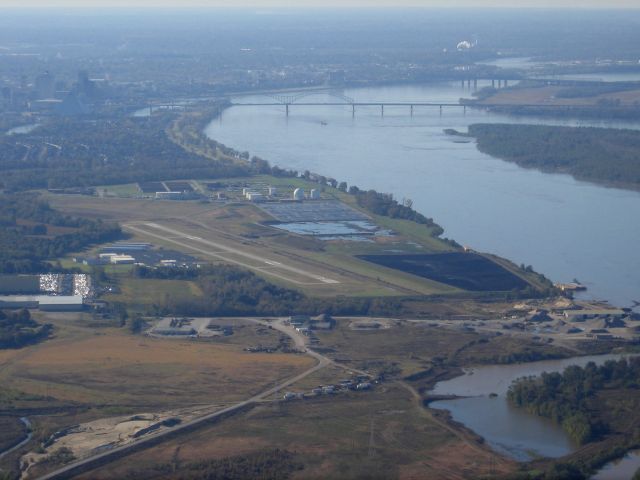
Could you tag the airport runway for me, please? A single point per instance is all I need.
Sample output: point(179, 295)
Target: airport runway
point(221, 252)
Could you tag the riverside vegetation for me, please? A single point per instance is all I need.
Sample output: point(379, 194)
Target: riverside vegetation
point(599, 155)
point(577, 397)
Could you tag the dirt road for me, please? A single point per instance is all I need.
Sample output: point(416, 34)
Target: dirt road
point(299, 340)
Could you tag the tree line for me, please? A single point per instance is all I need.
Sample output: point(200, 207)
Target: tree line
point(232, 291)
point(18, 329)
point(567, 397)
point(600, 155)
point(28, 237)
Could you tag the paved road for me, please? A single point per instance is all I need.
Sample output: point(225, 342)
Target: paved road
point(221, 249)
point(300, 341)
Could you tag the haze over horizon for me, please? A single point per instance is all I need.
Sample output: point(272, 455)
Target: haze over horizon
point(317, 3)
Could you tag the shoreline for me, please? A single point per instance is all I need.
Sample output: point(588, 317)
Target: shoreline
point(222, 108)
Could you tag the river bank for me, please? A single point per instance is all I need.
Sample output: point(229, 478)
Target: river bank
point(411, 157)
point(477, 401)
point(605, 157)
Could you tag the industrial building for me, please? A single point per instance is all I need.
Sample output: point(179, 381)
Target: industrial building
point(19, 284)
point(298, 194)
point(255, 197)
point(47, 303)
point(126, 246)
point(176, 195)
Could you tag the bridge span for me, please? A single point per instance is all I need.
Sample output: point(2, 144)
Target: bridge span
point(413, 105)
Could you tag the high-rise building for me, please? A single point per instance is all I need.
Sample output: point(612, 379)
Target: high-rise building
point(45, 86)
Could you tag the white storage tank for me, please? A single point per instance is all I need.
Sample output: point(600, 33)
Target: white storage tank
point(273, 191)
point(298, 194)
point(314, 194)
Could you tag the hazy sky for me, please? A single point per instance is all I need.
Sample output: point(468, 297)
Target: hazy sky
point(329, 3)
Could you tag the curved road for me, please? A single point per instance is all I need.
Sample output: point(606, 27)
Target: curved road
point(299, 340)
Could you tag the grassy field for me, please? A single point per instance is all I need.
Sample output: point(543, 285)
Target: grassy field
point(11, 432)
point(139, 294)
point(110, 367)
point(406, 348)
point(383, 434)
point(548, 95)
point(125, 190)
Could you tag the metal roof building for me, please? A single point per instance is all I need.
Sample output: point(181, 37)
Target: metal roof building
point(48, 303)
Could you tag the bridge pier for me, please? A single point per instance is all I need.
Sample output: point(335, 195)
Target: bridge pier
point(493, 83)
point(506, 84)
point(382, 110)
point(475, 84)
point(353, 110)
point(286, 109)
point(440, 110)
point(412, 110)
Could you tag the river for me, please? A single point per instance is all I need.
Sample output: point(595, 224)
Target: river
point(507, 429)
point(564, 228)
point(621, 469)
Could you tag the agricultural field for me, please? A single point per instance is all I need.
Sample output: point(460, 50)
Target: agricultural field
point(467, 271)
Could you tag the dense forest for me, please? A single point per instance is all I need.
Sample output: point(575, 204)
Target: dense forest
point(606, 156)
point(78, 152)
point(232, 291)
point(18, 329)
point(31, 232)
point(570, 398)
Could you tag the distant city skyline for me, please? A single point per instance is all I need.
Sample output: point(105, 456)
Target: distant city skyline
point(325, 3)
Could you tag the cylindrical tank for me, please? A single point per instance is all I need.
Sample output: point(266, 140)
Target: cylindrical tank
point(298, 194)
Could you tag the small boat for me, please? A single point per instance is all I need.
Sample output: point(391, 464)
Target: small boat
point(323, 123)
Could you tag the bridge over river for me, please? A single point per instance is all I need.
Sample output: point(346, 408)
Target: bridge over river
point(340, 100)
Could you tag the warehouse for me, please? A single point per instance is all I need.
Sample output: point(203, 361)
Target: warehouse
point(47, 303)
point(19, 284)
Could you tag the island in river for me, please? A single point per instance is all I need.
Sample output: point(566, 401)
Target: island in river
point(605, 156)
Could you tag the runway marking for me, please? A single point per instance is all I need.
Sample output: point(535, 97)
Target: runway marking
point(319, 279)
